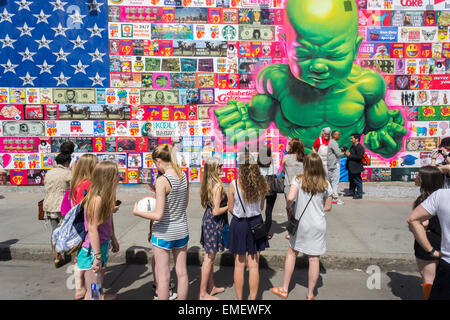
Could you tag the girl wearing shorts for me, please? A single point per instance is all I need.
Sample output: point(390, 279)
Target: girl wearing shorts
point(170, 229)
point(79, 186)
point(99, 204)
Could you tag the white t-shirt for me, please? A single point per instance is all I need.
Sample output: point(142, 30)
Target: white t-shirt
point(439, 204)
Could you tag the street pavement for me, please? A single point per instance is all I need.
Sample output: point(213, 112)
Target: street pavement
point(39, 280)
point(360, 233)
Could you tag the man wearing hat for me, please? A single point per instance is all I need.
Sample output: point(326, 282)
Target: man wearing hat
point(321, 147)
point(444, 166)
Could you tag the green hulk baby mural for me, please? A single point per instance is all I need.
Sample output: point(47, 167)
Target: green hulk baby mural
point(321, 86)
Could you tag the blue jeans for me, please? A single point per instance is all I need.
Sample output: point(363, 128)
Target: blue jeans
point(355, 184)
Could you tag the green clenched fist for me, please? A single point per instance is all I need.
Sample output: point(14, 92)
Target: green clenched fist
point(387, 141)
point(235, 121)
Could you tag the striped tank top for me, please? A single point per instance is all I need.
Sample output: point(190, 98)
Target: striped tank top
point(173, 226)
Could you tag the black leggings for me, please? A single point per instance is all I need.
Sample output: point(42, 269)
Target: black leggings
point(270, 202)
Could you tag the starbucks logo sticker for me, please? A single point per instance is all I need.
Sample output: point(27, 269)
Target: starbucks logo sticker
point(229, 32)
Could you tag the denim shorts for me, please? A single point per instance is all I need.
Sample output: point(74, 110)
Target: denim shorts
point(85, 260)
point(169, 245)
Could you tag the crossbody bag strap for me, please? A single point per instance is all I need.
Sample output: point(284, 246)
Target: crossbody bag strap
point(237, 190)
point(304, 210)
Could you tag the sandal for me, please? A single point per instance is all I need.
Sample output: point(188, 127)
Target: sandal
point(280, 292)
point(310, 298)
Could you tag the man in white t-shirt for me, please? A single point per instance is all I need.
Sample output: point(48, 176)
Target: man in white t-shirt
point(438, 203)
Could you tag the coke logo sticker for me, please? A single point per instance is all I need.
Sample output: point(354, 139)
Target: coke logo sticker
point(411, 3)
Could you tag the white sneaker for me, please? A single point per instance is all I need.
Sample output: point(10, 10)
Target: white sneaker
point(172, 295)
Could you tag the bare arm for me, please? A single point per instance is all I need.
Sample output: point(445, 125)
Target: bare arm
point(93, 234)
point(162, 188)
point(231, 198)
point(415, 220)
point(327, 203)
point(187, 197)
point(445, 168)
point(217, 194)
point(292, 195)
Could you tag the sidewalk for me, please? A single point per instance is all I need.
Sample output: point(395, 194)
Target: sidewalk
point(372, 231)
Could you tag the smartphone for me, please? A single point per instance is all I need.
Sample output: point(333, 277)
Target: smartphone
point(118, 203)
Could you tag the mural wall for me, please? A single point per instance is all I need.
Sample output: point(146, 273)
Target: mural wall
point(119, 77)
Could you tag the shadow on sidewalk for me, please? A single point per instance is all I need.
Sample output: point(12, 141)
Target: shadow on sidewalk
point(5, 251)
point(123, 276)
point(277, 228)
point(405, 287)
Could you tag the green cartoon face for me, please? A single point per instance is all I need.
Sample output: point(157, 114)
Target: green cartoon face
point(322, 40)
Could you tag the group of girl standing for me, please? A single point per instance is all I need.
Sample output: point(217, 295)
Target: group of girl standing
point(94, 184)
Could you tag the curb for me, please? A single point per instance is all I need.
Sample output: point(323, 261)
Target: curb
point(269, 259)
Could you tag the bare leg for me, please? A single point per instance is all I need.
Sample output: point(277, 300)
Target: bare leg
point(313, 274)
point(239, 269)
point(162, 260)
point(207, 277)
point(289, 265)
point(180, 260)
point(155, 278)
point(253, 268)
point(80, 289)
point(427, 269)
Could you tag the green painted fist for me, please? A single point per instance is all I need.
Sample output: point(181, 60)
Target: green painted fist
point(235, 121)
point(387, 141)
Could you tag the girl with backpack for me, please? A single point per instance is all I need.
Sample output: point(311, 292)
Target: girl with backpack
point(57, 181)
point(79, 186)
point(99, 204)
point(214, 223)
point(170, 229)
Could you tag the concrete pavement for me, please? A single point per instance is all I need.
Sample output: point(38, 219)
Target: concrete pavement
point(372, 231)
point(31, 280)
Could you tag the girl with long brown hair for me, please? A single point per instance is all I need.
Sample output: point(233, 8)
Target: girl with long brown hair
point(214, 200)
point(314, 196)
point(170, 229)
point(429, 180)
point(246, 201)
point(79, 186)
point(292, 164)
point(99, 204)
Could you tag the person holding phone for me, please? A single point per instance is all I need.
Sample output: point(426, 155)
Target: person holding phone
point(444, 166)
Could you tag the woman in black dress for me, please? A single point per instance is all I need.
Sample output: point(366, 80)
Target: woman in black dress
point(214, 224)
point(429, 180)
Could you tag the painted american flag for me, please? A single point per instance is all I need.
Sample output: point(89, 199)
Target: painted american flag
point(45, 43)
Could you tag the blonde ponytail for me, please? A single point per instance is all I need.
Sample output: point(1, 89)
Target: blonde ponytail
point(167, 154)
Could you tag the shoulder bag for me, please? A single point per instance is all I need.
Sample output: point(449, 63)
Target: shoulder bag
point(41, 210)
point(293, 223)
point(259, 231)
point(276, 184)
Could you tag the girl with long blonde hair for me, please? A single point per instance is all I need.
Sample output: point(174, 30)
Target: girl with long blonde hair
point(99, 205)
point(79, 186)
point(314, 196)
point(215, 219)
point(170, 229)
point(246, 197)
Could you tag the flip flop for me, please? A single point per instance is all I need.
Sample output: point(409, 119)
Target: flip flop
point(280, 292)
